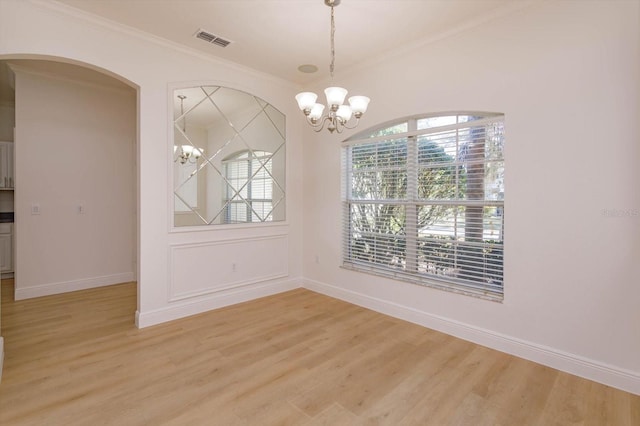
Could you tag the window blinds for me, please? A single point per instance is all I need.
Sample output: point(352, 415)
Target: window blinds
point(427, 205)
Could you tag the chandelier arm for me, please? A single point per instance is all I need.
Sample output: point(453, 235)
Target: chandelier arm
point(351, 127)
point(320, 126)
point(310, 123)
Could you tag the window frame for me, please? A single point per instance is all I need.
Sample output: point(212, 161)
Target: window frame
point(410, 270)
point(248, 182)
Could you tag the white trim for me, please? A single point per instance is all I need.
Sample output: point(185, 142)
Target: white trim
point(122, 87)
point(1, 356)
point(74, 285)
point(227, 227)
point(172, 87)
point(390, 56)
point(121, 28)
point(494, 118)
point(214, 301)
point(175, 296)
point(571, 363)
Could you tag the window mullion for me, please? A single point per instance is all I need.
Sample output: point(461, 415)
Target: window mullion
point(411, 210)
point(457, 197)
point(249, 183)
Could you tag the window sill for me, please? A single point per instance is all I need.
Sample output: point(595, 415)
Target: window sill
point(424, 282)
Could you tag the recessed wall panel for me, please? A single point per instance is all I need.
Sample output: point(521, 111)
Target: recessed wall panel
point(198, 269)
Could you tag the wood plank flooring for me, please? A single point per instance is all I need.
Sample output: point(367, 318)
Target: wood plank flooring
point(297, 358)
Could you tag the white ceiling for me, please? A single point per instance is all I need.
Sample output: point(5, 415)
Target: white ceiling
point(276, 36)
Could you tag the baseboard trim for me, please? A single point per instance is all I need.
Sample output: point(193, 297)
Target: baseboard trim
point(68, 286)
point(215, 300)
point(626, 380)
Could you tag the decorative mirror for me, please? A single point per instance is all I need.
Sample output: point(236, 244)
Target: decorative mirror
point(228, 157)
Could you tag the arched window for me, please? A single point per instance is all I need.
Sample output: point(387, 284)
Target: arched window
point(424, 202)
point(248, 187)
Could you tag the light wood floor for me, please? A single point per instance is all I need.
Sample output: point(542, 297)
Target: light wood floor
point(296, 358)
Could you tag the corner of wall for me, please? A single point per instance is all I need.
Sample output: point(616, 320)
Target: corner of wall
point(197, 305)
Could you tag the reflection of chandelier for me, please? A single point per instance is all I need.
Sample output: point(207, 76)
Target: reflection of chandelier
point(187, 152)
point(338, 114)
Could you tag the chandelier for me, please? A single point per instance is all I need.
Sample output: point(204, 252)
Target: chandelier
point(187, 153)
point(339, 115)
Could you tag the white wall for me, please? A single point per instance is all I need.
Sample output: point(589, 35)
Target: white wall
point(152, 66)
point(566, 74)
point(75, 146)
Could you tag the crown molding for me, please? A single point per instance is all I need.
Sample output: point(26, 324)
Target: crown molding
point(108, 24)
point(25, 69)
point(390, 55)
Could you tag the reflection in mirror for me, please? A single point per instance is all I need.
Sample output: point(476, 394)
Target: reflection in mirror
point(228, 157)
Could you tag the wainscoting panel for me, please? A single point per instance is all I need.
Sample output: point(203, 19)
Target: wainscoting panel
point(198, 269)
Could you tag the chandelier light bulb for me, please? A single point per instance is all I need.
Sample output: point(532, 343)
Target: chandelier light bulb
point(335, 95)
point(359, 104)
point(188, 153)
point(187, 150)
point(316, 112)
point(344, 113)
point(306, 100)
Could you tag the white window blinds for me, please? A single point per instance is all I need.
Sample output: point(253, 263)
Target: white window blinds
point(248, 187)
point(424, 202)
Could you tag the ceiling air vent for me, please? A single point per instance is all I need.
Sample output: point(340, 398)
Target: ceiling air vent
point(210, 38)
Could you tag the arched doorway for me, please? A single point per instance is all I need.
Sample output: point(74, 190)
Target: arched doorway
point(76, 193)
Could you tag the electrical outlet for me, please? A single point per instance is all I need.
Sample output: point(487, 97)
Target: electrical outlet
point(35, 208)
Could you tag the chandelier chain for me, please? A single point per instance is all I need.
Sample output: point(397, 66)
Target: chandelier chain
point(333, 47)
point(184, 119)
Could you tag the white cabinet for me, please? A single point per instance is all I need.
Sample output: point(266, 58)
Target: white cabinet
point(7, 175)
point(6, 247)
